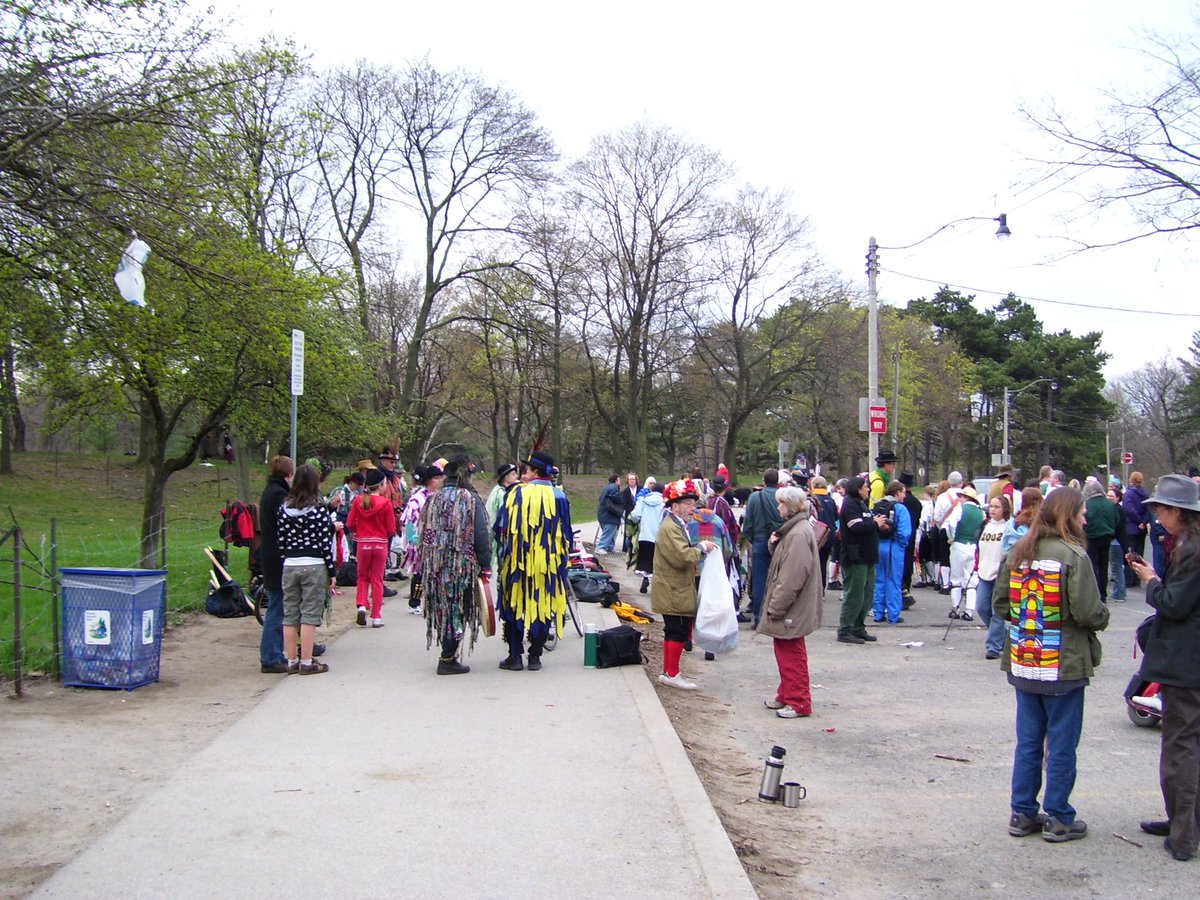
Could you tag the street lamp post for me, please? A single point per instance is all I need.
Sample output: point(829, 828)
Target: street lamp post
point(1005, 459)
point(873, 248)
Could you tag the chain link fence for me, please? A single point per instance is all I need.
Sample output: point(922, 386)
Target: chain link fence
point(30, 602)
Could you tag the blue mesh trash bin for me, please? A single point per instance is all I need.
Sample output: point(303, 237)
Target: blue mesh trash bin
point(112, 626)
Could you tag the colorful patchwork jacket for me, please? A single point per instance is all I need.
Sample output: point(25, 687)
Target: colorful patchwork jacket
point(1053, 610)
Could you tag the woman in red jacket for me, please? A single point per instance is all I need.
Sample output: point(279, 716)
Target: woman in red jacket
point(372, 522)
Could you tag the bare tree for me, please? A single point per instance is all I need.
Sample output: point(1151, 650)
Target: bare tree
point(645, 197)
point(1142, 155)
point(1156, 393)
point(464, 148)
point(763, 326)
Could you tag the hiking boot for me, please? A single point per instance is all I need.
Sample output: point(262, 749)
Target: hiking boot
point(512, 663)
point(1156, 828)
point(1056, 832)
point(313, 668)
point(850, 639)
point(279, 668)
point(534, 664)
point(1021, 825)
point(676, 681)
point(452, 667)
point(361, 617)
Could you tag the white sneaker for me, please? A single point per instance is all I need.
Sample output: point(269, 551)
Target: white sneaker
point(788, 712)
point(377, 623)
point(1154, 703)
point(773, 704)
point(676, 681)
point(416, 610)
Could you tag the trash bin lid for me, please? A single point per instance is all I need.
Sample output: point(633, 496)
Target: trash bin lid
point(118, 573)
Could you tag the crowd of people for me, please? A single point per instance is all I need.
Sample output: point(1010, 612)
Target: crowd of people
point(1037, 565)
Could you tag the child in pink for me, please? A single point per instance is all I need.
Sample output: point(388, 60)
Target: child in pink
point(372, 522)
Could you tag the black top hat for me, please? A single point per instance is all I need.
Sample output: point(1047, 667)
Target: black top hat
point(906, 479)
point(504, 471)
point(885, 457)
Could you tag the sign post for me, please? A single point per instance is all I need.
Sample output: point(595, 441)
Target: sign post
point(297, 378)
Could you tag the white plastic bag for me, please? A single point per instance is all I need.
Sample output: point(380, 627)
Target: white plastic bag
point(716, 629)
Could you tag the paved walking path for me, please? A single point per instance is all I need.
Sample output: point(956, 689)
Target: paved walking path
point(381, 779)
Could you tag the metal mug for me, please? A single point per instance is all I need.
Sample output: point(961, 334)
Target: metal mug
point(793, 793)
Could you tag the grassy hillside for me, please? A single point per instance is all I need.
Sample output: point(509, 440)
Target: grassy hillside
point(95, 503)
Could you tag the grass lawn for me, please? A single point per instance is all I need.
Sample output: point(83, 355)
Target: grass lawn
point(95, 503)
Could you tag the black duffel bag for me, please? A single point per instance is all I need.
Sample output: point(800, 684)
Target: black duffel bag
point(347, 575)
point(226, 602)
point(620, 646)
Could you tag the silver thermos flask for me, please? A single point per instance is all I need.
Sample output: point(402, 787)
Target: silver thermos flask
point(768, 791)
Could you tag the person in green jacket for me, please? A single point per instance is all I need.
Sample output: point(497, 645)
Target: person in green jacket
point(1102, 523)
point(1052, 610)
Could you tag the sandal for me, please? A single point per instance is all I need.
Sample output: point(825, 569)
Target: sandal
point(954, 613)
point(966, 616)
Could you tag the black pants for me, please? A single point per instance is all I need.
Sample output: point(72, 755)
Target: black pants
point(910, 555)
point(1097, 551)
point(1179, 765)
point(678, 628)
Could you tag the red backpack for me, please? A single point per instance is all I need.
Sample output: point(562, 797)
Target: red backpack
point(238, 523)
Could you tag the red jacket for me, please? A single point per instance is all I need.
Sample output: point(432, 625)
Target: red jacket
point(372, 526)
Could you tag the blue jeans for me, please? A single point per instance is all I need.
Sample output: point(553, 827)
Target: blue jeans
point(985, 600)
point(1116, 562)
point(270, 646)
point(760, 564)
point(1055, 721)
point(608, 537)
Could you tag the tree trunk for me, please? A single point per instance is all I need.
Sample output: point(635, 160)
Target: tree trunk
point(8, 402)
point(153, 548)
point(241, 466)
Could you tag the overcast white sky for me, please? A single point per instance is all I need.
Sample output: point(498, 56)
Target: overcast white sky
point(881, 119)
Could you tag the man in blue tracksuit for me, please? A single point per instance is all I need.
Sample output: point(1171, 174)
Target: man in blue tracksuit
point(761, 519)
point(893, 544)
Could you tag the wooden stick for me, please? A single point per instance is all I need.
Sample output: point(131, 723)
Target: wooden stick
point(217, 564)
point(951, 758)
point(212, 576)
point(1121, 837)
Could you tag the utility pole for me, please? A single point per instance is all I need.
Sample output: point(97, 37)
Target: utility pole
point(895, 412)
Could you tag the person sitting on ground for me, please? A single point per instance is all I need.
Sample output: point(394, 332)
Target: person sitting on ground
point(792, 606)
